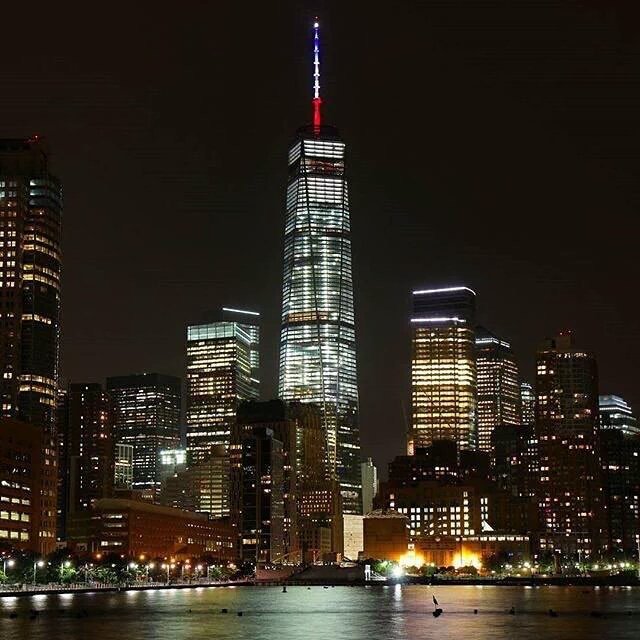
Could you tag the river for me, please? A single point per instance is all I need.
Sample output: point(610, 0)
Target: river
point(357, 613)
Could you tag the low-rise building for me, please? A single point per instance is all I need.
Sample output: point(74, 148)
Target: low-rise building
point(20, 484)
point(386, 535)
point(134, 528)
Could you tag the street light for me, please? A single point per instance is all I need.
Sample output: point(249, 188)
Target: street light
point(36, 564)
point(7, 562)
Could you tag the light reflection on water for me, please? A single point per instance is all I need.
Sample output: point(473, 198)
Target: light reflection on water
point(356, 613)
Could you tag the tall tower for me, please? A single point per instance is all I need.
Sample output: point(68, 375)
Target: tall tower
point(498, 388)
point(567, 430)
point(443, 368)
point(30, 260)
point(317, 339)
point(222, 362)
point(146, 415)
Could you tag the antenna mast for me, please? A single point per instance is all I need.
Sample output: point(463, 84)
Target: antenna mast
point(317, 100)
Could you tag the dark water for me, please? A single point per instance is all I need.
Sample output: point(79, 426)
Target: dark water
point(357, 613)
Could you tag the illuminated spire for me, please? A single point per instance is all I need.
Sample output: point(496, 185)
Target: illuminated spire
point(317, 100)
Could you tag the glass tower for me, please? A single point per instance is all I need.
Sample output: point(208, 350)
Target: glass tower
point(30, 266)
point(443, 368)
point(317, 340)
point(498, 388)
point(222, 361)
point(146, 415)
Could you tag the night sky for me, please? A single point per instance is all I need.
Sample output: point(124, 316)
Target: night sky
point(494, 144)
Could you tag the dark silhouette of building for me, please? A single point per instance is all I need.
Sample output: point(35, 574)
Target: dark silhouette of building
point(620, 457)
point(20, 484)
point(567, 427)
point(87, 469)
point(30, 260)
point(146, 415)
point(257, 495)
point(514, 457)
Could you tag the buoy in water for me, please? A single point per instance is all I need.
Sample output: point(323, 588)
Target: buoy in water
point(224, 611)
point(553, 613)
point(512, 611)
point(475, 612)
point(437, 613)
point(239, 613)
point(284, 588)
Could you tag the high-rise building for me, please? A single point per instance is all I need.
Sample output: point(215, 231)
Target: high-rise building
point(222, 363)
point(146, 415)
point(443, 367)
point(317, 339)
point(615, 413)
point(30, 259)
point(620, 460)
point(369, 484)
point(567, 428)
point(123, 466)
point(527, 404)
point(514, 458)
point(172, 462)
point(88, 466)
point(257, 494)
point(498, 400)
point(298, 426)
point(203, 487)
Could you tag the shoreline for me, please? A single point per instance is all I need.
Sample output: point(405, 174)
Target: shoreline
point(559, 581)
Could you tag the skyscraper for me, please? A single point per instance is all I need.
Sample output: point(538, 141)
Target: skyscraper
point(146, 415)
point(615, 413)
point(527, 404)
point(317, 339)
point(567, 426)
point(30, 219)
point(369, 474)
point(498, 389)
point(222, 362)
point(88, 466)
point(443, 368)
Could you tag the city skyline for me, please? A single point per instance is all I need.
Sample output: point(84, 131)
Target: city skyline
point(527, 292)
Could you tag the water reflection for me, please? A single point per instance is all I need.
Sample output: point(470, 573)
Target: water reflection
point(334, 613)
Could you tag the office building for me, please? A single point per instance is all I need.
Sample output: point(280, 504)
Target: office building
point(123, 466)
point(317, 339)
point(30, 262)
point(222, 361)
point(257, 480)
point(615, 413)
point(88, 466)
point(443, 367)
point(498, 399)
point(369, 474)
point(204, 487)
point(172, 462)
point(527, 404)
point(146, 415)
point(567, 425)
point(299, 427)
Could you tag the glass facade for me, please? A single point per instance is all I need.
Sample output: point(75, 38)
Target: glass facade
point(317, 343)
point(222, 361)
point(443, 368)
point(30, 265)
point(615, 413)
point(146, 415)
point(498, 389)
